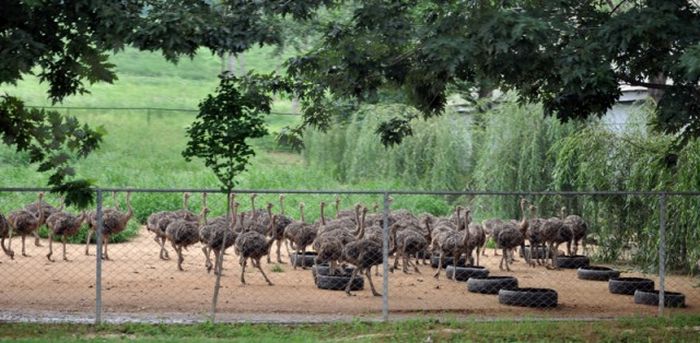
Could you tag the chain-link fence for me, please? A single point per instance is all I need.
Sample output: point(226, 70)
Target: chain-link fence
point(288, 256)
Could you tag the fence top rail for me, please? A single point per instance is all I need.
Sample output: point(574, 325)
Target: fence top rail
point(368, 192)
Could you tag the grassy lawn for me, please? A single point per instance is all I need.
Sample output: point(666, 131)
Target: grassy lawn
point(677, 328)
point(146, 79)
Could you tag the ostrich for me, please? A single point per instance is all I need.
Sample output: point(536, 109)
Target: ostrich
point(511, 235)
point(554, 233)
point(218, 236)
point(477, 239)
point(182, 233)
point(254, 245)
point(329, 244)
point(451, 242)
point(47, 209)
point(25, 222)
point(350, 214)
point(114, 222)
point(257, 220)
point(278, 231)
point(300, 234)
point(363, 254)
point(409, 241)
point(491, 227)
point(63, 224)
point(153, 219)
point(5, 232)
point(534, 234)
point(579, 227)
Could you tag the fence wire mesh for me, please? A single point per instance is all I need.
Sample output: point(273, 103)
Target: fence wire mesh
point(298, 255)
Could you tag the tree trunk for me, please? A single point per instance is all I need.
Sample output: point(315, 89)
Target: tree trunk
point(657, 94)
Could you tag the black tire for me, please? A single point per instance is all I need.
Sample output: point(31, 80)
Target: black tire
point(309, 259)
point(324, 269)
point(671, 299)
point(339, 282)
point(464, 273)
point(491, 284)
point(573, 262)
point(447, 261)
point(529, 297)
point(597, 273)
point(628, 285)
point(540, 252)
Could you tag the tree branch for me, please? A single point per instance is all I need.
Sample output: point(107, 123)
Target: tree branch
point(633, 82)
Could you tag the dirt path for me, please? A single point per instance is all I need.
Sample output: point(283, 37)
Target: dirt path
point(136, 281)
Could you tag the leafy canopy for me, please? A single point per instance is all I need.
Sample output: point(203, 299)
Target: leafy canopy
point(569, 55)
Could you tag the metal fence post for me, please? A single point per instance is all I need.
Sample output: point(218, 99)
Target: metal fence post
point(385, 259)
point(218, 270)
point(662, 252)
point(98, 260)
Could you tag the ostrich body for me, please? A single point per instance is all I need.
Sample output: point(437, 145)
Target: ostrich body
point(477, 240)
point(281, 224)
point(554, 233)
point(579, 228)
point(65, 225)
point(5, 232)
point(534, 233)
point(491, 228)
point(300, 234)
point(113, 222)
point(218, 236)
point(329, 244)
point(511, 235)
point(254, 245)
point(47, 209)
point(182, 233)
point(363, 254)
point(408, 241)
point(453, 243)
point(25, 222)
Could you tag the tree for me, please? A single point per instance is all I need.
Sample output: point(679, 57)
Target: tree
point(67, 43)
point(570, 55)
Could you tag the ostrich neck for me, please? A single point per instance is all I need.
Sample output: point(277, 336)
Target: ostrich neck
point(337, 209)
point(252, 204)
point(130, 211)
point(282, 206)
point(361, 231)
point(301, 213)
point(466, 229)
point(323, 217)
point(185, 203)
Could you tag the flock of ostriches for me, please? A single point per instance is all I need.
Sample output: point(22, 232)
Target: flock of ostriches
point(354, 236)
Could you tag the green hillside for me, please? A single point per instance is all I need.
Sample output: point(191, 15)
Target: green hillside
point(146, 79)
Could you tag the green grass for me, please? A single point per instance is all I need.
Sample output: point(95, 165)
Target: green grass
point(677, 329)
point(146, 79)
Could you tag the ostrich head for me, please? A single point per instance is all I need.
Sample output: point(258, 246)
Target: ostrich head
point(562, 212)
point(533, 211)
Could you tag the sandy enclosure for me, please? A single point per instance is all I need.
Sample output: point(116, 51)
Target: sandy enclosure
point(136, 281)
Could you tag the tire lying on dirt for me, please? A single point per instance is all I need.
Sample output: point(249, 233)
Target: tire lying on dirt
point(529, 297)
point(540, 252)
point(572, 262)
point(466, 272)
point(339, 282)
point(447, 261)
point(491, 284)
point(324, 269)
point(628, 285)
point(597, 273)
point(309, 259)
point(671, 299)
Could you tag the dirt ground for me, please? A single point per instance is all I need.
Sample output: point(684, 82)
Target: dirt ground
point(135, 281)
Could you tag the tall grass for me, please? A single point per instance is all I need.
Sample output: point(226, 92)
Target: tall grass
point(437, 156)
